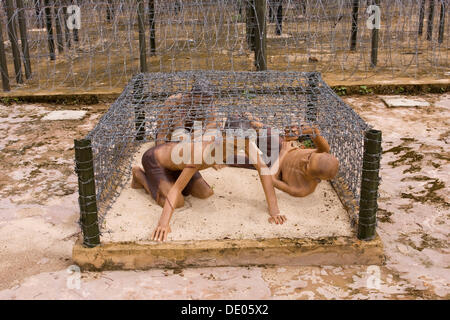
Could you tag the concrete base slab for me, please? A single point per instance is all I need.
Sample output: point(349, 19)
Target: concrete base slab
point(393, 101)
point(65, 115)
point(218, 253)
point(228, 229)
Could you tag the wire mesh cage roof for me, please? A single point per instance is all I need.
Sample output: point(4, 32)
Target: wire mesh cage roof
point(280, 100)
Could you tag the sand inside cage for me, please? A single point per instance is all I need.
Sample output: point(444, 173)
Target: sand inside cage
point(237, 210)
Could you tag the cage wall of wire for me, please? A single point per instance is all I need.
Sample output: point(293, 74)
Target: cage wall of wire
point(279, 100)
point(302, 35)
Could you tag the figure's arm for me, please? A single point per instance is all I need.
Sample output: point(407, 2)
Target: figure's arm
point(320, 142)
point(163, 229)
point(253, 153)
point(280, 184)
point(293, 191)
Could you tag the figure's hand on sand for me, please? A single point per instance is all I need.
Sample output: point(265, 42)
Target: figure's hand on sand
point(277, 219)
point(160, 233)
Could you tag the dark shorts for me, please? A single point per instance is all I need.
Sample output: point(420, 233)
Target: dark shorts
point(155, 173)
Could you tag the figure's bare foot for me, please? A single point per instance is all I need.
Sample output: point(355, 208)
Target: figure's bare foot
point(160, 233)
point(138, 177)
point(277, 219)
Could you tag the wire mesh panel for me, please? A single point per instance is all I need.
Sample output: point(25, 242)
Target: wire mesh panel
point(154, 106)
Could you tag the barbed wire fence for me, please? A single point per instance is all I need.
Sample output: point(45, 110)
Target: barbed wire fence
point(90, 45)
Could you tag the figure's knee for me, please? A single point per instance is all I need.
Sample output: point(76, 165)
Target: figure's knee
point(204, 192)
point(208, 193)
point(177, 203)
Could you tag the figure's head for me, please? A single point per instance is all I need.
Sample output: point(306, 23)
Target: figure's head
point(324, 166)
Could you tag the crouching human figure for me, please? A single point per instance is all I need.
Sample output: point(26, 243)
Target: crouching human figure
point(171, 171)
point(301, 170)
point(296, 171)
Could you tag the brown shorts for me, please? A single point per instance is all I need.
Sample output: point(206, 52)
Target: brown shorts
point(154, 172)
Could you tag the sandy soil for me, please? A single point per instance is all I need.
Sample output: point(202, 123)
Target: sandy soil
point(38, 215)
point(235, 211)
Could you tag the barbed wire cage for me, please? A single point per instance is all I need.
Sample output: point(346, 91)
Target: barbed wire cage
point(280, 100)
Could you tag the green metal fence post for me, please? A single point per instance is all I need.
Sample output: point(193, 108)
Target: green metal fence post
point(87, 195)
point(368, 205)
